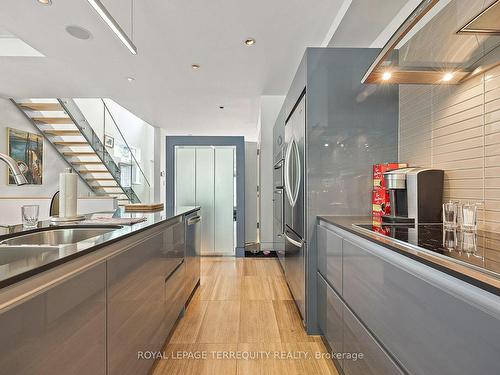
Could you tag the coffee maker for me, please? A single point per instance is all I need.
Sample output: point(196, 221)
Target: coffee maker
point(415, 195)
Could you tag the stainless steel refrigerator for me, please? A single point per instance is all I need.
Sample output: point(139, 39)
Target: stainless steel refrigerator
point(295, 244)
point(334, 129)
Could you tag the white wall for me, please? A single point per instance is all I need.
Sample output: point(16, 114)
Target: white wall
point(136, 132)
point(251, 191)
point(269, 110)
point(53, 164)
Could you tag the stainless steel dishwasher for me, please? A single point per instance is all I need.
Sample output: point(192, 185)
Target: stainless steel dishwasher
point(192, 256)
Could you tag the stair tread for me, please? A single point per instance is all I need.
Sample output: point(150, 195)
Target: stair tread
point(86, 162)
point(42, 106)
point(99, 179)
point(94, 171)
point(62, 132)
point(70, 143)
point(76, 153)
point(53, 120)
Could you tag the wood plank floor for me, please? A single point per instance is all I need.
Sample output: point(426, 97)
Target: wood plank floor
point(242, 320)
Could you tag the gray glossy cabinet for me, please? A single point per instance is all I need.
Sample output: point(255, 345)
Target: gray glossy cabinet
point(357, 339)
point(330, 316)
point(431, 322)
point(404, 316)
point(345, 334)
point(60, 331)
point(330, 257)
point(139, 315)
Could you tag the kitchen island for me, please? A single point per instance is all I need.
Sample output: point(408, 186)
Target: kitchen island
point(91, 305)
point(410, 310)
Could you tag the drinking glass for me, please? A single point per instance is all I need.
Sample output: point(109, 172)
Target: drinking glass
point(469, 242)
point(450, 214)
point(469, 216)
point(450, 239)
point(30, 215)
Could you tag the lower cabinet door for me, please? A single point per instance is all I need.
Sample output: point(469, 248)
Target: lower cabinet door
point(175, 295)
point(136, 303)
point(330, 257)
point(330, 316)
point(60, 331)
point(357, 340)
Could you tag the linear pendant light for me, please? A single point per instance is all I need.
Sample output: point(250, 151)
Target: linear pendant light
point(113, 25)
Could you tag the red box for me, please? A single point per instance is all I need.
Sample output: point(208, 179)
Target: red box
point(377, 221)
point(385, 231)
point(380, 202)
point(380, 169)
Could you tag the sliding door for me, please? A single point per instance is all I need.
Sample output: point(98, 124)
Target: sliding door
point(206, 177)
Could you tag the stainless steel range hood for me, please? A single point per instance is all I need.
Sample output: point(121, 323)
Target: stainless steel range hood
point(486, 22)
point(442, 42)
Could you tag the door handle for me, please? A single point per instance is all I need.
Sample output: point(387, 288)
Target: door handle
point(194, 220)
point(294, 242)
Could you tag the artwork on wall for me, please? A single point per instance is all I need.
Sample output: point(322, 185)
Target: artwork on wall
point(109, 141)
point(27, 149)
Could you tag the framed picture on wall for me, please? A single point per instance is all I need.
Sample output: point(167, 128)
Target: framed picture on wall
point(109, 141)
point(27, 149)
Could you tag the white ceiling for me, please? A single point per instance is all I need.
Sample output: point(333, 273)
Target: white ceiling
point(170, 36)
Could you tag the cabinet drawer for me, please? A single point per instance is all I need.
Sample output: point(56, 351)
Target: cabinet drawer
point(357, 339)
point(330, 315)
point(175, 295)
point(432, 323)
point(330, 257)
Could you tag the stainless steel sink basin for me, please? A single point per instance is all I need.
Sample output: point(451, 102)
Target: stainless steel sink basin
point(57, 236)
point(27, 254)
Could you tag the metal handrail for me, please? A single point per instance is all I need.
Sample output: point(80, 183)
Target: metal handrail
point(124, 140)
point(89, 134)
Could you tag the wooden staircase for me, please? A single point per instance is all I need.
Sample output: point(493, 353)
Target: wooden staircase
point(51, 118)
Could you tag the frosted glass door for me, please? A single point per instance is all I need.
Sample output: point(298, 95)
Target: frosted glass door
point(224, 200)
point(185, 182)
point(205, 196)
point(205, 177)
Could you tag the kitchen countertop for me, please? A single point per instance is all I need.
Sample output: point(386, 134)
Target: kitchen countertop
point(20, 269)
point(479, 265)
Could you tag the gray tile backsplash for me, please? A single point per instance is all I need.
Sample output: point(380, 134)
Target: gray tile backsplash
point(457, 128)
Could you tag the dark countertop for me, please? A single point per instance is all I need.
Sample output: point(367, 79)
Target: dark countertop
point(13, 271)
point(471, 258)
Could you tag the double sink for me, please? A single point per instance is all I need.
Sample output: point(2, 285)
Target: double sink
point(45, 242)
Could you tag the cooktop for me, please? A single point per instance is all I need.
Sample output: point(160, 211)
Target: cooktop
point(474, 248)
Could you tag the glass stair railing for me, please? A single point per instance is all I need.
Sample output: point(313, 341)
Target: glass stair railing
point(62, 123)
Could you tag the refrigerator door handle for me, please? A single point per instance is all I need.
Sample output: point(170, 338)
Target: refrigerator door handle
point(298, 166)
point(294, 242)
point(287, 173)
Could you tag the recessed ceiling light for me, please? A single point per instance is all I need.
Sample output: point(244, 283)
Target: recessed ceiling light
point(250, 41)
point(447, 77)
point(78, 32)
point(45, 2)
point(195, 66)
point(326, 145)
point(386, 76)
point(130, 79)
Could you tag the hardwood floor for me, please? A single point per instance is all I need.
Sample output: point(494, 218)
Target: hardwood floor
point(242, 320)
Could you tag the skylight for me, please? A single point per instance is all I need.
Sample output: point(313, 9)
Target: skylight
point(12, 46)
